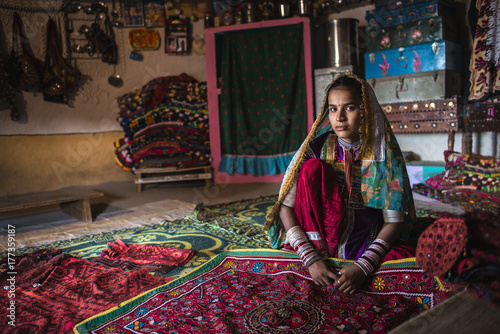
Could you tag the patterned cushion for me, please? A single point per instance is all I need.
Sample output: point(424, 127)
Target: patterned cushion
point(441, 245)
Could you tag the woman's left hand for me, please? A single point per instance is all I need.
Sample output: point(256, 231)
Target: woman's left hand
point(351, 278)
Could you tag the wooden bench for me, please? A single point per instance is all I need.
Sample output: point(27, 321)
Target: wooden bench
point(73, 201)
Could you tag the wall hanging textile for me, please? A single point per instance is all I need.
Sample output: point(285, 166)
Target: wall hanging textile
point(485, 58)
point(265, 291)
point(263, 116)
point(7, 94)
point(59, 77)
point(25, 71)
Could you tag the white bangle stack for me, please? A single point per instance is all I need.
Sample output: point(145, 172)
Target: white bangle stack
point(371, 258)
point(299, 242)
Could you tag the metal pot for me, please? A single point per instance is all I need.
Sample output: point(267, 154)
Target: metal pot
point(304, 7)
point(284, 9)
point(115, 80)
point(338, 44)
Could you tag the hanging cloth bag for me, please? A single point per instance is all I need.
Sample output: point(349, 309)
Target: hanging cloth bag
point(24, 70)
point(7, 92)
point(59, 77)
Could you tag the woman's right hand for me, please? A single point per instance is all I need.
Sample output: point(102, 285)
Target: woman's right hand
point(322, 273)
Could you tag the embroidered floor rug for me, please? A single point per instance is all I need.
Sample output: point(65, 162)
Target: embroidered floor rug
point(209, 231)
point(49, 292)
point(268, 291)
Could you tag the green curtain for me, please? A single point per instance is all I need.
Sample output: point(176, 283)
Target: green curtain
point(263, 107)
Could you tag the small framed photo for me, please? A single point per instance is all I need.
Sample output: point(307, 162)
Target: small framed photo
point(133, 13)
point(171, 44)
point(182, 44)
point(154, 13)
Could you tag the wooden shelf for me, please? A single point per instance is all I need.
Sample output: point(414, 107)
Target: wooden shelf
point(171, 174)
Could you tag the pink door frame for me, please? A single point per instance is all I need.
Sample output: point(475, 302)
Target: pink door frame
point(214, 92)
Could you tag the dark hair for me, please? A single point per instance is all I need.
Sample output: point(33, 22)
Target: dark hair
point(347, 82)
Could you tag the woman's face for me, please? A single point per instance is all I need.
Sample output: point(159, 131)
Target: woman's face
point(344, 113)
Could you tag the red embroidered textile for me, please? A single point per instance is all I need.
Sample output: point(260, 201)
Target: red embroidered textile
point(54, 291)
point(441, 245)
point(319, 208)
point(466, 250)
point(155, 91)
point(272, 292)
point(147, 254)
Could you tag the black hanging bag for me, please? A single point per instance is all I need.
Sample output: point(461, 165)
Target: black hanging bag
point(23, 69)
point(59, 77)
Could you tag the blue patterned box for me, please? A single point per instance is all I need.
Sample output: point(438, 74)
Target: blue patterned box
point(413, 33)
point(382, 17)
point(440, 55)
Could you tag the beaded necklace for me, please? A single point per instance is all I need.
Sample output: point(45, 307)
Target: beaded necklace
point(349, 150)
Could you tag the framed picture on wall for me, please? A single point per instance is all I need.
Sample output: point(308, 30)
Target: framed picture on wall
point(133, 13)
point(177, 36)
point(154, 13)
